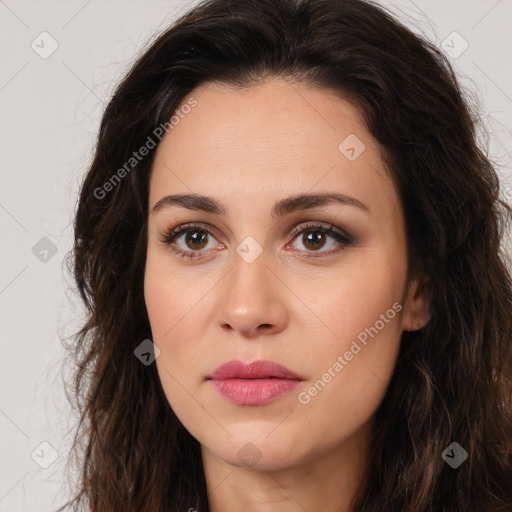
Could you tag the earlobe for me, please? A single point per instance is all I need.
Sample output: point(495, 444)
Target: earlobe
point(417, 311)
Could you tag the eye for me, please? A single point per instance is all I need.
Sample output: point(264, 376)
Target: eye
point(195, 237)
point(190, 240)
point(314, 236)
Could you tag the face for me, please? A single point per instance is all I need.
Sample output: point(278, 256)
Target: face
point(317, 286)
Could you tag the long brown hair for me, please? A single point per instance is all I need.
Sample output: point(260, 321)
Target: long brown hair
point(453, 378)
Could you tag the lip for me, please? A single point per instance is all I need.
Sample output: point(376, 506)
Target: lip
point(256, 383)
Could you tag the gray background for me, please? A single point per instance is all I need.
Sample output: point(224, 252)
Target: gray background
point(51, 108)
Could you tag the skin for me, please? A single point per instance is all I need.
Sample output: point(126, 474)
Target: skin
point(249, 148)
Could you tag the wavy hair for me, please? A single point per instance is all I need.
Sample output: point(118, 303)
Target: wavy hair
point(453, 378)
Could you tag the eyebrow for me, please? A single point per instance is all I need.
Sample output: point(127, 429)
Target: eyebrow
point(280, 209)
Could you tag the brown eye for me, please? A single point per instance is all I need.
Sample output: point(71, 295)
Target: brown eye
point(323, 239)
point(190, 240)
point(195, 239)
point(313, 240)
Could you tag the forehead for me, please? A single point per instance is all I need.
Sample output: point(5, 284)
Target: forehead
point(269, 140)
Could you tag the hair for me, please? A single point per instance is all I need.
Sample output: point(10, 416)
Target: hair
point(453, 378)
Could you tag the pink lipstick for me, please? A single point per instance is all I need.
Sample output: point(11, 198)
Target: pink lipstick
point(256, 383)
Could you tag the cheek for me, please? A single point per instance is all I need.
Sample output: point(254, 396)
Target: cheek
point(171, 296)
point(349, 300)
point(361, 332)
point(176, 313)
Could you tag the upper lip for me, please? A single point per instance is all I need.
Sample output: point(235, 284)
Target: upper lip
point(260, 369)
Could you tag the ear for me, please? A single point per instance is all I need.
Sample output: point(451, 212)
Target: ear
point(416, 313)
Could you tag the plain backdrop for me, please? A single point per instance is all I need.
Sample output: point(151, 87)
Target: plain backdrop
point(60, 62)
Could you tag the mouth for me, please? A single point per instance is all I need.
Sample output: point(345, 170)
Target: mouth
point(256, 383)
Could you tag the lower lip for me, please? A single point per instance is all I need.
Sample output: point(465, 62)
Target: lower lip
point(254, 391)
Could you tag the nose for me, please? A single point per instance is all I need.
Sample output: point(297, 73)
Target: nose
point(252, 300)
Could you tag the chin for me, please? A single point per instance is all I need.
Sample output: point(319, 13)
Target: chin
point(263, 455)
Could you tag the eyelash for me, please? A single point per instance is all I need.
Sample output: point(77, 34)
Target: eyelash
point(341, 237)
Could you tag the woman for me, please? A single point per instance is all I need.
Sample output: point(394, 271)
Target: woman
point(288, 243)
